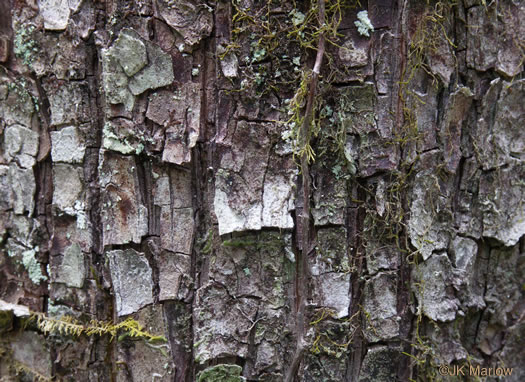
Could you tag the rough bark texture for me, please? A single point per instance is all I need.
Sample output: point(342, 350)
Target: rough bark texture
point(156, 162)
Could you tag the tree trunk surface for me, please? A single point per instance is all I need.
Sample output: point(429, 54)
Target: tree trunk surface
point(262, 190)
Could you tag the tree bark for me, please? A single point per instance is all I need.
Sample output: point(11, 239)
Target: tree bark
point(262, 191)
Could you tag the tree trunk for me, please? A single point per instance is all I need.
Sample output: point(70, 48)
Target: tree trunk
point(262, 190)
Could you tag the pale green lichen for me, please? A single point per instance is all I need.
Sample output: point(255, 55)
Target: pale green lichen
point(131, 66)
point(78, 210)
point(24, 45)
point(32, 266)
point(363, 24)
point(131, 54)
point(72, 270)
point(111, 141)
point(221, 373)
point(297, 17)
point(258, 54)
point(20, 87)
point(56, 310)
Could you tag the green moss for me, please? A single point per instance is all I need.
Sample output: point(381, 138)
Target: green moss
point(208, 246)
point(6, 320)
point(221, 373)
point(332, 249)
point(238, 243)
point(266, 242)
